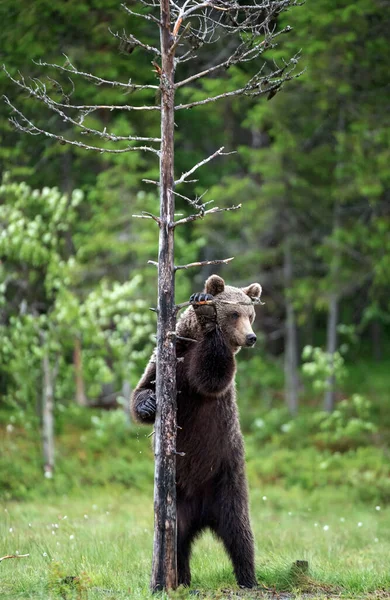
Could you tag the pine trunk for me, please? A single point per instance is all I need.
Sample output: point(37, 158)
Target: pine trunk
point(164, 567)
point(47, 417)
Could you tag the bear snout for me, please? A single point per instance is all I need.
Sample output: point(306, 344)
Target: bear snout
point(251, 339)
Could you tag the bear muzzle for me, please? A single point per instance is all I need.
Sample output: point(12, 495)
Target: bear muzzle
point(250, 339)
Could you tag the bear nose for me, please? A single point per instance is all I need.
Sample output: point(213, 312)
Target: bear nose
point(251, 339)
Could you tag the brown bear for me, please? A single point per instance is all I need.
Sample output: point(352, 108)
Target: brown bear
point(210, 477)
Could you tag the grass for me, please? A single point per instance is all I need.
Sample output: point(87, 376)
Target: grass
point(98, 545)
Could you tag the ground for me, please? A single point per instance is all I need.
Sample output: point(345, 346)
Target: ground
point(97, 545)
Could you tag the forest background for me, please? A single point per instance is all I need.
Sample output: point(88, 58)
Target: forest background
point(311, 171)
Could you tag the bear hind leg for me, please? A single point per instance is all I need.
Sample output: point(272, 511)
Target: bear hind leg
point(189, 527)
point(233, 527)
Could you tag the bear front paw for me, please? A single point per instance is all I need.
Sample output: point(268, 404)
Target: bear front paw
point(146, 409)
point(205, 311)
point(200, 297)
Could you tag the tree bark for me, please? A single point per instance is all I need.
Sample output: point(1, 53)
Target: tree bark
point(331, 347)
point(81, 398)
point(164, 567)
point(47, 417)
point(291, 380)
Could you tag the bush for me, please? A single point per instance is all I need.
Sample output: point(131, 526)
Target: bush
point(347, 427)
point(108, 453)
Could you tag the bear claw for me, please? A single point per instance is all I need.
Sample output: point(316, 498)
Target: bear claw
point(200, 297)
point(147, 408)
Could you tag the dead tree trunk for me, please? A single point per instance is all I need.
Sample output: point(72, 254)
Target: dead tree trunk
point(47, 416)
point(81, 398)
point(164, 567)
point(291, 382)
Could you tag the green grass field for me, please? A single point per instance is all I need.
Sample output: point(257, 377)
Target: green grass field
point(98, 545)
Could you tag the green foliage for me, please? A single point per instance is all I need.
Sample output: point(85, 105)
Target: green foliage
point(348, 425)
point(320, 365)
point(84, 440)
point(44, 306)
point(331, 450)
point(364, 472)
point(67, 586)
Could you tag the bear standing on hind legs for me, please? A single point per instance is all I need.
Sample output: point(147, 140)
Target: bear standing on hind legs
point(210, 477)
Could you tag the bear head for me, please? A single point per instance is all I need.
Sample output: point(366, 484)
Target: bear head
point(235, 311)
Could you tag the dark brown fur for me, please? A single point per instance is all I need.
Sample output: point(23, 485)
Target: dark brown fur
point(211, 482)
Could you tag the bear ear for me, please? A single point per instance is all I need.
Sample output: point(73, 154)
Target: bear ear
point(214, 285)
point(253, 290)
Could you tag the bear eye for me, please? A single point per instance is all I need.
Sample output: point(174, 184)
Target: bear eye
point(235, 315)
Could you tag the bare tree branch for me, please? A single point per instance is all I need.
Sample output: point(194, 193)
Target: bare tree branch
point(151, 181)
point(14, 556)
point(34, 130)
point(97, 80)
point(196, 202)
point(244, 52)
point(147, 17)
point(183, 178)
point(147, 215)
point(84, 108)
point(39, 92)
point(203, 213)
point(133, 42)
point(204, 263)
point(253, 88)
